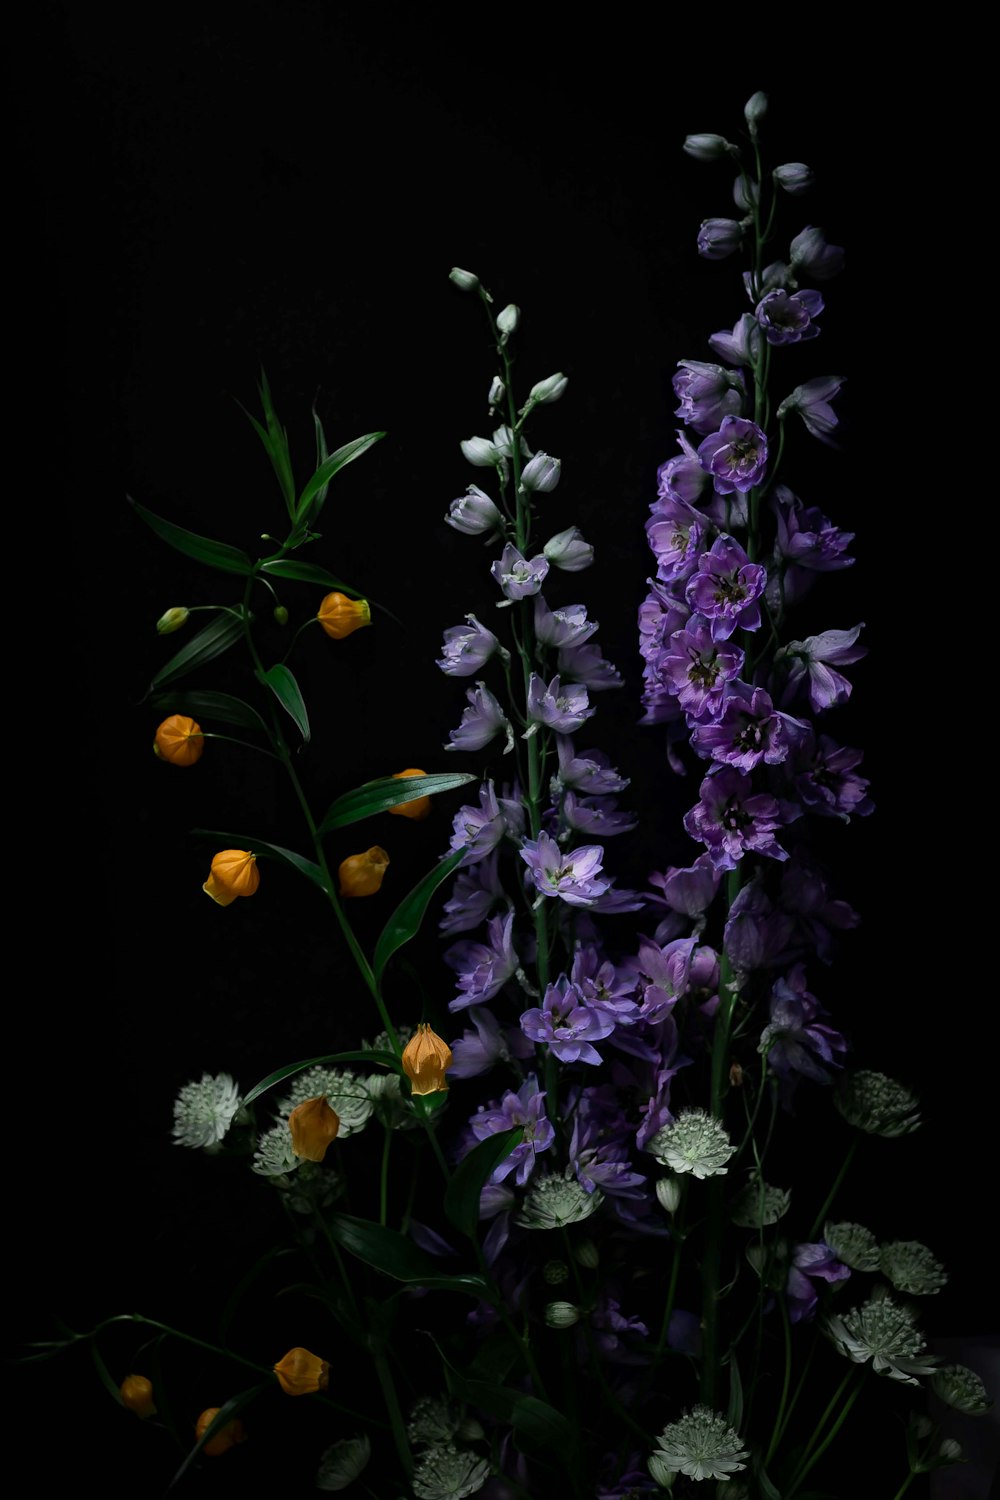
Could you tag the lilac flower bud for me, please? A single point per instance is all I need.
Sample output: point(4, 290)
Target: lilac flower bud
point(497, 390)
point(746, 192)
point(739, 347)
point(503, 442)
point(718, 238)
point(755, 109)
point(468, 281)
point(707, 147)
point(568, 550)
point(480, 452)
point(541, 474)
point(794, 176)
point(508, 319)
point(548, 390)
point(473, 513)
point(811, 253)
point(812, 402)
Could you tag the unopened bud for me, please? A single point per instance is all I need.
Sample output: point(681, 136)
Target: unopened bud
point(707, 147)
point(497, 392)
point(660, 1470)
point(280, 615)
point(755, 109)
point(746, 193)
point(950, 1451)
point(555, 1272)
point(568, 550)
point(473, 513)
point(468, 281)
point(541, 473)
point(794, 176)
point(668, 1191)
point(480, 452)
point(508, 319)
point(548, 390)
point(561, 1315)
point(172, 620)
point(137, 1394)
point(587, 1254)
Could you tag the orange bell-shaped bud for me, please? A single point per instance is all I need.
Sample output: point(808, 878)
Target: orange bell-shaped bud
point(137, 1394)
point(234, 873)
point(300, 1373)
point(227, 1436)
point(340, 616)
point(426, 1059)
point(313, 1125)
point(419, 807)
point(179, 740)
point(361, 874)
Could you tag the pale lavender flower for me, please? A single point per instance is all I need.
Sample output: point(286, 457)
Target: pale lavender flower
point(566, 1024)
point(794, 176)
point(741, 346)
point(568, 550)
point(731, 819)
point(541, 473)
point(483, 968)
point(826, 780)
point(587, 666)
point(561, 708)
point(810, 1263)
point(476, 891)
point(726, 588)
point(574, 875)
point(688, 891)
point(604, 988)
point(812, 402)
point(567, 626)
point(707, 393)
point(811, 253)
point(476, 1052)
point(663, 976)
point(747, 730)
point(517, 577)
point(697, 668)
point(481, 722)
point(682, 477)
point(525, 1108)
point(735, 456)
point(795, 1040)
point(707, 146)
point(788, 318)
point(806, 897)
point(675, 536)
point(756, 932)
point(596, 815)
point(474, 513)
point(590, 772)
point(466, 649)
point(718, 238)
point(808, 538)
point(808, 663)
point(478, 830)
point(480, 452)
point(610, 1323)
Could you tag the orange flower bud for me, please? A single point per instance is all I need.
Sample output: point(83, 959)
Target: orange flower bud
point(227, 1436)
point(419, 807)
point(234, 873)
point(361, 874)
point(300, 1373)
point(313, 1125)
point(179, 740)
point(340, 616)
point(426, 1059)
point(137, 1394)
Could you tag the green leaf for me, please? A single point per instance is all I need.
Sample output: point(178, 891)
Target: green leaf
point(107, 1380)
point(461, 1199)
point(164, 1407)
point(345, 455)
point(322, 454)
point(221, 706)
point(209, 643)
point(304, 572)
point(277, 446)
point(281, 680)
point(540, 1430)
point(377, 1059)
point(216, 554)
point(225, 1414)
point(399, 1257)
point(244, 1284)
point(767, 1488)
point(735, 1413)
point(260, 846)
point(406, 919)
point(388, 791)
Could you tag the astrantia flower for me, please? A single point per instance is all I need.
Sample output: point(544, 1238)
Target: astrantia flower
point(702, 1445)
point(552, 1202)
point(877, 1104)
point(433, 1421)
point(449, 1473)
point(856, 1246)
point(204, 1111)
point(695, 1143)
point(961, 1388)
point(274, 1156)
point(344, 1091)
point(758, 1205)
point(342, 1462)
point(882, 1331)
point(911, 1267)
point(735, 456)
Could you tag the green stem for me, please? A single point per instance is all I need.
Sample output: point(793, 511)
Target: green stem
point(786, 1328)
point(668, 1307)
point(809, 1464)
point(837, 1181)
point(800, 1387)
point(905, 1485)
point(395, 1415)
point(595, 1360)
point(383, 1191)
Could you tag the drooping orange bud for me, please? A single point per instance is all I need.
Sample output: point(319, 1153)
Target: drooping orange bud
point(313, 1125)
point(300, 1373)
point(426, 1059)
point(227, 1436)
point(137, 1394)
point(361, 874)
point(419, 807)
point(340, 616)
point(234, 873)
point(179, 740)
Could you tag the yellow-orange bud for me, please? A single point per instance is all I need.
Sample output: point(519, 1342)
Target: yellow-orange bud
point(234, 873)
point(361, 874)
point(426, 1059)
point(340, 616)
point(179, 740)
point(300, 1373)
point(227, 1436)
point(172, 620)
point(313, 1125)
point(137, 1395)
point(419, 807)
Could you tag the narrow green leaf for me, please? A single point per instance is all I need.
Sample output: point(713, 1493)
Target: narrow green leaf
point(277, 446)
point(303, 572)
point(541, 1430)
point(244, 1284)
point(461, 1199)
point(406, 919)
point(735, 1414)
point(767, 1488)
point(220, 706)
point(345, 455)
point(209, 643)
point(164, 1407)
point(322, 454)
point(107, 1380)
point(216, 554)
point(225, 1414)
point(261, 846)
point(281, 680)
point(388, 791)
point(399, 1257)
point(375, 1059)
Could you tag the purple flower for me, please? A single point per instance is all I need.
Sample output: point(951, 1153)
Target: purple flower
point(564, 709)
point(805, 896)
point(742, 345)
point(808, 663)
point(478, 830)
point(571, 875)
point(466, 650)
point(476, 1052)
point(596, 815)
point(689, 892)
point(569, 551)
point(481, 721)
point(788, 318)
point(663, 976)
point(676, 540)
point(567, 626)
point(707, 393)
point(525, 1108)
point(586, 665)
point(826, 780)
point(807, 538)
point(735, 456)
point(518, 577)
point(748, 730)
point(682, 478)
point(567, 1024)
point(726, 588)
point(473, 513)
point(603, 988)
point(812, 254)
point(812, 402)
point(732, 820)
point(591, 772)
point(697, 668)
point(718, 238)
point(483, 968)
point(756, 933)
point(477, 890)
point(810, 1263)
point(794, 176)
point(610, 1323)
point(795, 1040)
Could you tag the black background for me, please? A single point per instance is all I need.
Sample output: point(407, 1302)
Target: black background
point(287, 186)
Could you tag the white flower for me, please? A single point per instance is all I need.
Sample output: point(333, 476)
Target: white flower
point(446, 1473)
point(433, 1421)
point(911, 1267)
point(553, 1201)
point(702, 1445)
point(204, 1111)
point(274, 1156)
point(961, 1388)
point(346, 1094)
point(877, 1104)
point(853, 1244)
point(313, 1186)
point(694, 1143)
point(882, 1331)
point(759, 1204)
point(343, 1462)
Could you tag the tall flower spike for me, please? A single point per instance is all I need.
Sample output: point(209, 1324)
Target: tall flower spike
point(426, 1059)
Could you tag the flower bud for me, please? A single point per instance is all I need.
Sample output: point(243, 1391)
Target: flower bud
point(707, 147)
point(179, 740)
point(361, 874)
point(555, 1272)
point(568, 550)
point(137, 1394)
point(668, 1191)
point(548, 390)
point(661, 1472)
point(508, 319)
point(794, 176)
point(718, 238)
point(950, 1452)
point(468, 281)
point(426, 1059)
point(301, 1373)
point(561, 1315)
point(746, 192)
point(234, 873)
point(587, 1254)
point(313, 1125)
point(497, 392)
point(227, 1436)
point(172, 620)
point(470, 1431)
point(473, 513)
point(280, 615)
point(541, 473)
point(340, 616)
point(755, 109)
point(419, 807)
point(479, 452)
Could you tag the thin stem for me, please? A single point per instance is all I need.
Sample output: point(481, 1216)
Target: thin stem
point(383, 1192)
point(800, 1387)
point(392, 1407)
point(807, 1467)
point(786, 1382)
point(837, 1181)
point(905, 1485)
